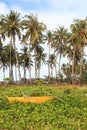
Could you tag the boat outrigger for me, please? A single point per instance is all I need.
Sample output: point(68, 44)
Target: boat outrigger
point(29, 99)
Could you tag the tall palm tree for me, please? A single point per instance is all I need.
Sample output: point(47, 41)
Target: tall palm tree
point(12, 25)
point(79, 39)
point(33, 34)
point(3, 59)
point(52, 63)
point(60, 40)
point(49, 39)
point(40, 58)
point(2, 53)
point(13, 58)
point(24, 59)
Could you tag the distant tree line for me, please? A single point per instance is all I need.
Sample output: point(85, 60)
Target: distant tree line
point(32, 34)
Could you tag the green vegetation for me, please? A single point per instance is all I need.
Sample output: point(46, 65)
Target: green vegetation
point(67, 111)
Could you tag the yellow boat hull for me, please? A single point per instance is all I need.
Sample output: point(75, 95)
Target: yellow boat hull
point(29, 99)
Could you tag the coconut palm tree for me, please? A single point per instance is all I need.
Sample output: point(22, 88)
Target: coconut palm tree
point(59, 41)
point(52, 63)
point(13, 58)
point(2, 53)
point(3, 59)
point(79, 40)
point(24, 59)
point(49, 40)
point(12, 25)
point(33, 34)
point(2, 32)
point(40, 58)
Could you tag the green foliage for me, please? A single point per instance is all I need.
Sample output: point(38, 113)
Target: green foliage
point(6, 79)
point(39, 82)
point(51, 115)
point(67, 91)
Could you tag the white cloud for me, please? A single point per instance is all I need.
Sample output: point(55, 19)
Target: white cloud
point(52, 17)
point(3, 8)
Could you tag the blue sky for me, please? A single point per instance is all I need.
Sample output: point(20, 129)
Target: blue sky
point(53, 13)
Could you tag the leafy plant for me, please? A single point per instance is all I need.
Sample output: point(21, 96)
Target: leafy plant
point(50, 115)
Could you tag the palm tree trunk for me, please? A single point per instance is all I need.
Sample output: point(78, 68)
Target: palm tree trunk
point(56, 63)
point(11, 79)
point(3, 72)
point(11, 75)
point(15, 73)
point(29, 67)
point(24, 71)
point(59, 68)
point(49, 64)
point(51, 71)
point(81, 66)
point(35, 62)
point(17, 59)
point(55, 71)
point(73, 65)
point(39, 71)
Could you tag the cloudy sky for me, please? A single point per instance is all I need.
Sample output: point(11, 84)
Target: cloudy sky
point(53, 13)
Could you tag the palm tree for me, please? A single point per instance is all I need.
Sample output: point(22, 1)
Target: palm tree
point(67, 72)
point(2, 53)
point(12, 24)
point(79, 39)
point(2, 32)
point(13, 58)
point(40, 58)
point(33, 34)
point(52, 63)
point(24, 59)
point(3, 59)
point(59, 41)
point(49, 40)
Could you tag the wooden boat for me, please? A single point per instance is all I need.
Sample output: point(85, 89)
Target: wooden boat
point(29, 99)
